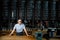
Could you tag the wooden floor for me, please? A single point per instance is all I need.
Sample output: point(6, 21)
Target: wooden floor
point(14, 37)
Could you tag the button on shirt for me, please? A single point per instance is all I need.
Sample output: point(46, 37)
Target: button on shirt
point(19, 27)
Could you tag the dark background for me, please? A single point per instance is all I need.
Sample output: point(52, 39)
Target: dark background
point(30, 11)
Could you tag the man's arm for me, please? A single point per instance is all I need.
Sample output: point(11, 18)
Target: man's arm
point(25, 31)
point(12, 32)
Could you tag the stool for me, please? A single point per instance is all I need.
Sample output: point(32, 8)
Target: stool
point(38, 35)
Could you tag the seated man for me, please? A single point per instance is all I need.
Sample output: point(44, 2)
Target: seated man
point(19, 27)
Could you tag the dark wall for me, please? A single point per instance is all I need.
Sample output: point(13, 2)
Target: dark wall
point(29, 10)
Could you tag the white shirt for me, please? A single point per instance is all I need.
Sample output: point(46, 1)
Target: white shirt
point(19, 27)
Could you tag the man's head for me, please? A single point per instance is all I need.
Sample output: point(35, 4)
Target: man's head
point(19, 21)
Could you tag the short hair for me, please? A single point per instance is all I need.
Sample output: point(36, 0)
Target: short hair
point(19, 19)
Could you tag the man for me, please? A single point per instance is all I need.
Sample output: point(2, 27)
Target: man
point(19, 27)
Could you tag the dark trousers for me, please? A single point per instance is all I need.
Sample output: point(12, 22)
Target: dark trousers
point(19, 33)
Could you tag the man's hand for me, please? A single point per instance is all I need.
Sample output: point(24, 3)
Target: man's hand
point(27, 35)
point(12, 32)
point(9, 34)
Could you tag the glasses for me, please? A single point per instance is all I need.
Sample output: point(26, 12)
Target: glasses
point(19, 21)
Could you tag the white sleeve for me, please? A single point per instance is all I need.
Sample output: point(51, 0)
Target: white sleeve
point(14, 27)
point(23, 26)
